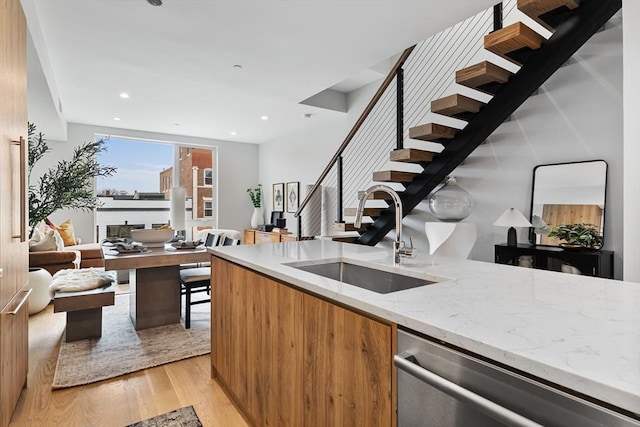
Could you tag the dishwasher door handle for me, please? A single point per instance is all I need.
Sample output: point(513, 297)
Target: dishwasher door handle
point(480, 403)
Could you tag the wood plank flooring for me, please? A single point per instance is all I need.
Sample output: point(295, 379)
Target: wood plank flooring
point(119, 401)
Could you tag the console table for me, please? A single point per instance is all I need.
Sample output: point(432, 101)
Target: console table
point(588, 262)
point(252, 237)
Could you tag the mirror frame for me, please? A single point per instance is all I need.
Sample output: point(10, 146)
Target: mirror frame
point(532, 235)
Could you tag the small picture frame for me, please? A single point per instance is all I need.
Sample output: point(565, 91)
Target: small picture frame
point(293, 196)
point(278, 197)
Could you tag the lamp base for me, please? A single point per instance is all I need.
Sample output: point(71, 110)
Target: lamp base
point(512, 238)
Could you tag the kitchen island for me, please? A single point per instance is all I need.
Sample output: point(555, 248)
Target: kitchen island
point(579, 333)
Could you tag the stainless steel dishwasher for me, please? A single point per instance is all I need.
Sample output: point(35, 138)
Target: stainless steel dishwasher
point(441, 387)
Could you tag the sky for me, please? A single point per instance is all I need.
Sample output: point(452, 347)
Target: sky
point(139, 165)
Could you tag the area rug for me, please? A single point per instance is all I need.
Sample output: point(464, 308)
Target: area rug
point(122, 349)
point(183, 417)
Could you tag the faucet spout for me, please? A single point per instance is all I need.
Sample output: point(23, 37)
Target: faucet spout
point(399, 246)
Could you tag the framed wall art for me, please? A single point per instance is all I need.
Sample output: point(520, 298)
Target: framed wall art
point(293, 196)
point(278, 197)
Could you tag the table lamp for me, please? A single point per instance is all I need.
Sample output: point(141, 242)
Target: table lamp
point(512, 218)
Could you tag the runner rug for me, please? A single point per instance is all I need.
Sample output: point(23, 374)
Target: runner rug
point(122, 349)
point(183, 417)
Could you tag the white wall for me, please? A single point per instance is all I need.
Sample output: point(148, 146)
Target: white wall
point(303, 157)
point(631, 17)
point(237, 171)
point(577, 115)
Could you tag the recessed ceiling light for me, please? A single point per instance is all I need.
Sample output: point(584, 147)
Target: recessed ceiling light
point(264, 118)
point(233, 133)
point(124, 95)
point(117, 119)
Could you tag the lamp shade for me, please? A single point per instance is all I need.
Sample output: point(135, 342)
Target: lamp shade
point(512, 218)
point(178, 197)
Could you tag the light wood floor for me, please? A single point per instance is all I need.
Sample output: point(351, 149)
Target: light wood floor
point(120, 401)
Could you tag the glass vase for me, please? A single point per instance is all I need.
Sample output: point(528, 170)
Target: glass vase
point(450, 203)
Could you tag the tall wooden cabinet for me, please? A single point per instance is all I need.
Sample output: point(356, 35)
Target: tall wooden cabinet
point(13, 207)
point(289, 358)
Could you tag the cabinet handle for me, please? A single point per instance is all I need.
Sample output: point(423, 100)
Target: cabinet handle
point(22, 235)
point(458, 392)
point(25, 298)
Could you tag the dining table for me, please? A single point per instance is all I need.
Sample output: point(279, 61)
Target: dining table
point(154, 281)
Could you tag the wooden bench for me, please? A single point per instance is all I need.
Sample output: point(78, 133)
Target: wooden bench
point(84, 311)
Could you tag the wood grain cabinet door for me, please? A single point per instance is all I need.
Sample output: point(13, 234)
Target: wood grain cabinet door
point(14, 343)
point(348, 367)
point(257, 344)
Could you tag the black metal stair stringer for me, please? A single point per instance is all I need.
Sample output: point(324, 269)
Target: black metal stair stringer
point(583, 23)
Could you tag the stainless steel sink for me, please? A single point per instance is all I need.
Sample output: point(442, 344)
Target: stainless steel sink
point(380, 281)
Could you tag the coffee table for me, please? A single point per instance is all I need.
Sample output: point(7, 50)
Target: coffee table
point(154, 282)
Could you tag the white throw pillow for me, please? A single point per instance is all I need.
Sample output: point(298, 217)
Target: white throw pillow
point(51, 241)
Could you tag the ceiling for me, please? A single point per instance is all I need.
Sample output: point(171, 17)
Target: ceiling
point(178, 61)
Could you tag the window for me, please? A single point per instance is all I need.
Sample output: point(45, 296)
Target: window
point(208, 177)
point(207, 207)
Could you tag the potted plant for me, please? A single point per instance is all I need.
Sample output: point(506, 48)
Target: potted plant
point(67, 185)
point(578, 235)
point(255, 194)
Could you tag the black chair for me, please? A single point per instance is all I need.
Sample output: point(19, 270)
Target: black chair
point(198, 280)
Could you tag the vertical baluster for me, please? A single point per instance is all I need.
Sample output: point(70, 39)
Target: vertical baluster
point(339, 218)
point(399, 108)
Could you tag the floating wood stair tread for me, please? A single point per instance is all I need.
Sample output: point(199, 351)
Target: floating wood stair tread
point(372, 212)
point(514, 42)
point(433, 132)
point(411, 155)
point(377, 195)
point(394, 176)
point(485, 76)
point(547, 12)
point(341, 227)
point(457, 106)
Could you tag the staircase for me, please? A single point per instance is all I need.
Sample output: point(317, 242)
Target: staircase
point(572, 22)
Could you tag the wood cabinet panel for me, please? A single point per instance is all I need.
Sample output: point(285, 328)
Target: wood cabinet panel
point(255, 237)
point(249, 237)
point(257, 343)
point(291, 359)
point(348, 360)
point(13, 246)
point(267, 237)
point(14, 353)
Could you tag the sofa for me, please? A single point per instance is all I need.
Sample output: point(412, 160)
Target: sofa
point(76, 256)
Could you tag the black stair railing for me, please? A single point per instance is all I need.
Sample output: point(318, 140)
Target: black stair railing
point(582, 23)
point(337, 157)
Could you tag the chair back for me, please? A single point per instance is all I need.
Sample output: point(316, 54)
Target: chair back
point(212, 240)
point(228, 241)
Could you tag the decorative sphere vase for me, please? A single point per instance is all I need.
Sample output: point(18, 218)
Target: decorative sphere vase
point(39, 281)
point(256, 218)
point(450, 203)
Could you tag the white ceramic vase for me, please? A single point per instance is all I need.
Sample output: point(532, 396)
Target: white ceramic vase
point(256, 218)
point(39, 281)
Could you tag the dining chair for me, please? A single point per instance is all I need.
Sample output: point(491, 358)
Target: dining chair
point(198, 280)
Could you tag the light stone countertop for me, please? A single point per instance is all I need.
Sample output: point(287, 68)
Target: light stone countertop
point(580, 332)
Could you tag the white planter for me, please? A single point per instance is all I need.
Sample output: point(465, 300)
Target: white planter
point(256, 218)
point(39, 280)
